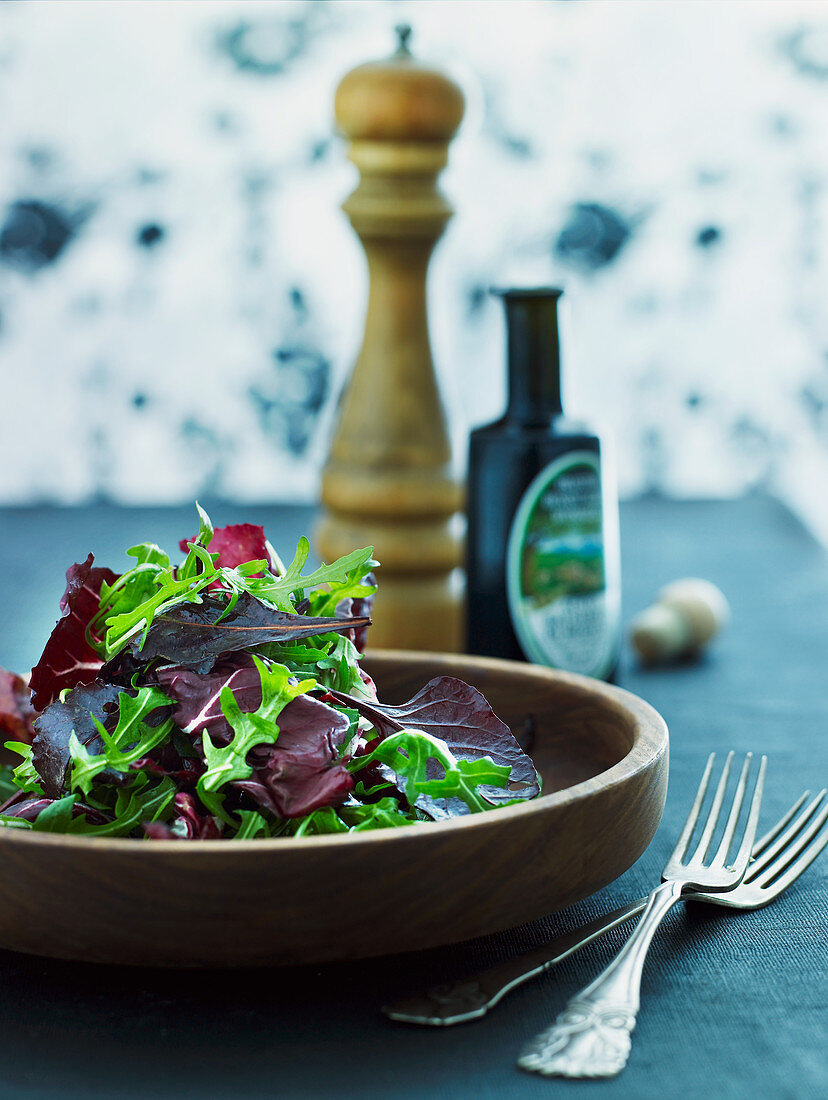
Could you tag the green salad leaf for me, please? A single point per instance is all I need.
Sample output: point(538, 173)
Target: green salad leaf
point(283, 590)
point(8, 785)
point(409, 752)
point(57, 817)
point(141, 802)
point(25, 775)
point(252, 824)
point(132, 738)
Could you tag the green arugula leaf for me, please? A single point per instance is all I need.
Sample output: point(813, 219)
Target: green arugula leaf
point(361, 792)
point(383, 814)
point(298, 656)
point(56, 818)
point(25, 774)
point(14, 822)
point(345, 745)
point(8, 786)
point(252, 824)
point(205, 527)
point(226, 763)
point(281, 590)
point(353, 818)
point(131, 739)
point(151, 587)
point(340, 667)
point(202, 540)
point(408, 752)
point(319, 823)
point(169, 591)
point(133, 805)
point(324, 601)
point(130, 590)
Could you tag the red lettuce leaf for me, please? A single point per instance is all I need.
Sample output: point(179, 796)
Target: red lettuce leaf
point(190, 822)
point(458, 714)
point(298, 774)
point(197, 696)
point(301, 772)
point(68, 658)
point(191, 635)
point(235, 544)
point(198, 826)
point(54, 727)
point(16, 711)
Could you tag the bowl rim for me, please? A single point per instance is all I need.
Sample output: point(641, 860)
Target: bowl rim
point(644, 752)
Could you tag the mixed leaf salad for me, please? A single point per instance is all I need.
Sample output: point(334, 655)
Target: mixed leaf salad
point(223, 697)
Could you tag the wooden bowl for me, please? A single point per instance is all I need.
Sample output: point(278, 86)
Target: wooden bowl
point(603, 756)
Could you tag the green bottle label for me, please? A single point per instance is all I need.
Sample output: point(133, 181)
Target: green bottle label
point(562, 569)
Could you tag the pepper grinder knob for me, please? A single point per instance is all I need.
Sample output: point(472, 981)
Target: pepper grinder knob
point(684, 618)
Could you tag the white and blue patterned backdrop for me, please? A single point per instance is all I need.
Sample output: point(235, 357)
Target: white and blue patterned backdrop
point(181, 298)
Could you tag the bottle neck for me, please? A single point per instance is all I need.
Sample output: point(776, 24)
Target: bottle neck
point(534, 356)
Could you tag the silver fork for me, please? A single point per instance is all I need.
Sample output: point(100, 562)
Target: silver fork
point(592, 1036)
point(778, 859)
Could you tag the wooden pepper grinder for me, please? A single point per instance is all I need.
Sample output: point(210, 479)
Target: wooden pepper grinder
point(389, 480)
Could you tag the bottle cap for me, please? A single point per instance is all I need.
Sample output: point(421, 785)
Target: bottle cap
point(553, 292)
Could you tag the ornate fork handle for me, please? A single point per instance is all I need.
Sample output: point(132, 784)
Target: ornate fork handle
point(591, 1037)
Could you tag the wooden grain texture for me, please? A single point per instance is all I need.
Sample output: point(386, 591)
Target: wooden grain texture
point(603, 754)
point(389, 481)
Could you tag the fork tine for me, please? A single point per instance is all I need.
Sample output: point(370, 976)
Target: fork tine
point(733, 817)
point(693, 816)
point(769, 893)
point(784, 841)
point(739, 864)
point(771, 835)
point(715, 810)
point(788, 860)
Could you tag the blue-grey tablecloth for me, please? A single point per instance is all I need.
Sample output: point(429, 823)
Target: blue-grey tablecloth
point(734, 1005)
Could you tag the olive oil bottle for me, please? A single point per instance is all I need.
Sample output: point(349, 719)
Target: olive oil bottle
point(543, 553)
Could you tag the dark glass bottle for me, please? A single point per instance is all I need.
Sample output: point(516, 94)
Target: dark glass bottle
point(543, 559)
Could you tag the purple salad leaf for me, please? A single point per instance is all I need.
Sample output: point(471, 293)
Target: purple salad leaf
point(301, 772)
point(68, 658)
point(31, 808)
point(14, 798)
point(189, 822)
point(192, 635)
point(167, 760)
point(16, 711)
point(55, 725)
point(197, 697)
point(458, 714)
